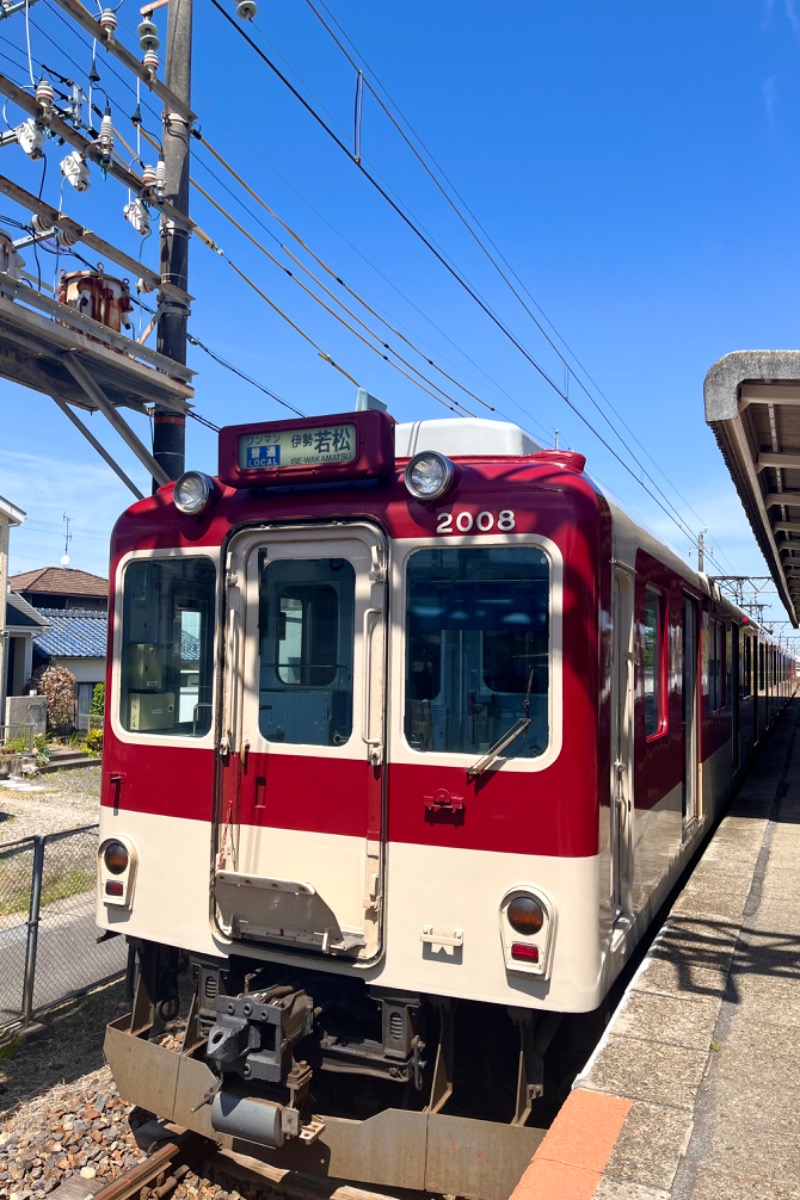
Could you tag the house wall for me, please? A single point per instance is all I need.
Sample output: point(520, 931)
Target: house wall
point(85, 670)
point(4, 527)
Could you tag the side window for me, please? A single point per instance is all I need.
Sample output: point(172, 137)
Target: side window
point(715, 681)
point(747, 667)
point(652, 633)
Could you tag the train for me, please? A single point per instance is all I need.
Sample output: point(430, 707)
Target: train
point(410, 731)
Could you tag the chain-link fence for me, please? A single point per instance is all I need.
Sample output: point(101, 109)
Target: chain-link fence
point(48, 937)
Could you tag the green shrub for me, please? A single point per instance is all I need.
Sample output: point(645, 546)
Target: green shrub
point(93, 742)
point(98, 700)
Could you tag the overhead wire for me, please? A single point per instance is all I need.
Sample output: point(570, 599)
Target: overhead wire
point(57, 250)
point(454, 404)
point(334, 275)
point(256, 153)
point(667, 507)
point(356, 66)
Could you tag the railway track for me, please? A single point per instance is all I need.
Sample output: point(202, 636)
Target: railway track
point(189, 1156)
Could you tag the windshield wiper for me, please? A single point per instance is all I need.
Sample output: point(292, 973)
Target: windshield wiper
point(519, 726)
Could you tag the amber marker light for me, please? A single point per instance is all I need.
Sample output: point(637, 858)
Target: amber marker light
point(116, 858)
point(525, 915)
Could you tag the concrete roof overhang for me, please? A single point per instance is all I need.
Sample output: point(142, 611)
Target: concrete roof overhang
point(752, 402)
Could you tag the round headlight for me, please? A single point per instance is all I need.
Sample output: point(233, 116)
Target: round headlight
point(192, 492)
point(525, 915)
point(429, 475)
point(116, 857)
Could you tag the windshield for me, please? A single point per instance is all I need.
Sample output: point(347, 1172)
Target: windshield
point(477, 649)
point(167, 668)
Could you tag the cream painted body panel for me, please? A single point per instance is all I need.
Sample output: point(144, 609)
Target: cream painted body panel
point(425, 886)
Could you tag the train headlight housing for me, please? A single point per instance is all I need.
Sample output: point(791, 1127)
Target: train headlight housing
point(525, 915)
point(527, 930)
point(116, 857)
point(429, 475)
point(116, 871)
point(192, 493)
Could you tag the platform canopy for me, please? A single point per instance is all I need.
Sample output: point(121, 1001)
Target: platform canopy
point(752, 401)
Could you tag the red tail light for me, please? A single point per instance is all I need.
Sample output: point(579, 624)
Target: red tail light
point(524, 952)
point(114, 888)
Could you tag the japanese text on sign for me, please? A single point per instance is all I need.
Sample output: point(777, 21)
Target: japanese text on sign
point(293, 448)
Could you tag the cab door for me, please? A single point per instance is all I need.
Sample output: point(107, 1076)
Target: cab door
point(298, 860)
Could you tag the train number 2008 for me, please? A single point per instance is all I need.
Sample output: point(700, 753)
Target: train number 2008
point(465, 522)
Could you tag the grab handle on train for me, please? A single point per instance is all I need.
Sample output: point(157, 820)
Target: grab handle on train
point(374, 745)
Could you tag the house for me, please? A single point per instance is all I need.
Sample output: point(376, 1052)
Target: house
point(75, 639)
point(71, 606)
point(10, 516)
point(62, 587)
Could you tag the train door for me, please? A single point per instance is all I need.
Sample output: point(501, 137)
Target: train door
point(735, 677)
point(690, 711)
point(621, 813)
point(298, 857)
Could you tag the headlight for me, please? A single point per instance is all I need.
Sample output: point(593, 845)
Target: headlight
point(115, 857)
point(192, 492)
point(429, 475)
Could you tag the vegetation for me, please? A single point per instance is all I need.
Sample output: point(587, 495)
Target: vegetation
point(98, 700)
point(93, 742)
point(57, 685)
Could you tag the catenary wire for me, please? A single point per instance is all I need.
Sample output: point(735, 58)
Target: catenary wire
point(665, 506)
point(466, 223)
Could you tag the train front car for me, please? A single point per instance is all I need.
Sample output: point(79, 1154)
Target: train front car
point(356, 773)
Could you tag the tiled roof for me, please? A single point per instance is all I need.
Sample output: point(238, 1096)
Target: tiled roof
point(21, 615)
point(59, 581)
point(73, 633)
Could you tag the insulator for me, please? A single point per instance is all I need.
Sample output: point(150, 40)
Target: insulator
point(148, 176)
point(246, 10)
point(108, 22)
point(45, 94)
point(40, 226)
point(139, 217)
point(75, 171)
point(148, 35)
point(67, 236)
point(94, 74)
point(150, 61)
point(31, 138)
point(161, 177)
point(136, 119)
point(144, 285)
point(105, 138)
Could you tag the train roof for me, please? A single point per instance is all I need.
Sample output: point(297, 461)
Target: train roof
point(464, 437)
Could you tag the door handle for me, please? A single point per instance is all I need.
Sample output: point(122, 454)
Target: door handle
point(374, 745)
point(244, 754)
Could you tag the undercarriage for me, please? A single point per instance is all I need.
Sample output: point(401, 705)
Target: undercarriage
point(325, 1074)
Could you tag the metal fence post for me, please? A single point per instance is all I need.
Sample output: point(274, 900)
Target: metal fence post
point(33, 928)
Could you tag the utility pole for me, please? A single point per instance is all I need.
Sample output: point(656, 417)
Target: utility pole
point(169, 428)
point(701, 544)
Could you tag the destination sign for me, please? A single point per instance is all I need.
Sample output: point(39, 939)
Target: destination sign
point(282, 448)
point(334, 447)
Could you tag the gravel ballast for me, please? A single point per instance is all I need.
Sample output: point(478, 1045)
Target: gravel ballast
point(69, 799)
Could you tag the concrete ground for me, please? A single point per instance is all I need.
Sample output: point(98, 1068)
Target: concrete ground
point(694, 1090)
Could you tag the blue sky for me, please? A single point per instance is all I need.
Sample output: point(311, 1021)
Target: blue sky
point(637, 165)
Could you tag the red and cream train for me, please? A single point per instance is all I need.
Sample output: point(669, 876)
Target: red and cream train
point(410, 732)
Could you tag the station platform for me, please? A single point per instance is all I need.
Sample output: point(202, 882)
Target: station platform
point(694, 1090)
